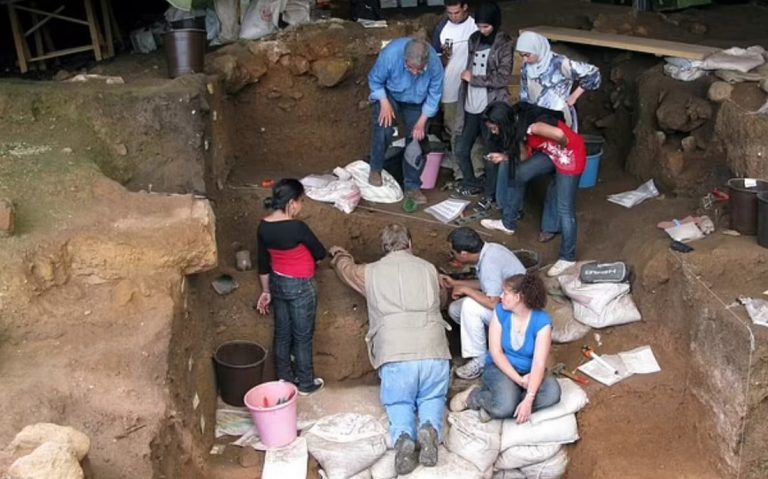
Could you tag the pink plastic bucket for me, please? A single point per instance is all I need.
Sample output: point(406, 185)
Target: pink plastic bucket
point(276, 423)
point(431, 169)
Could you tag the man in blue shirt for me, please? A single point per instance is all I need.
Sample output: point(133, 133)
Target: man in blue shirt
point(407, 82)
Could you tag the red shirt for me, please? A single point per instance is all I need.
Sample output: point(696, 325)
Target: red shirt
point(569, 160)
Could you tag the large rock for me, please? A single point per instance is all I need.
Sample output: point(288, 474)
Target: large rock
point(7, 218)
point(237, 70)
point(49, 461)
point(33, 436)
point(331, 71)
point(680, 111)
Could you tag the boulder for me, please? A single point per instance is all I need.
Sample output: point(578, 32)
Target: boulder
point(683, 112)
point(7, 217)
point(50, 460)
point(331, 71)
point(33, 436)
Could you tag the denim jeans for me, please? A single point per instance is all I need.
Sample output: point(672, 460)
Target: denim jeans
point(414, 394)
point(499, 395)
point(559, 215)
point(502, 183)
point(294, 302)
point(382, 138)
point(473, 128)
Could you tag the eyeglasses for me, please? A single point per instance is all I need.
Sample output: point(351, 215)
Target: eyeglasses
point(526, 55)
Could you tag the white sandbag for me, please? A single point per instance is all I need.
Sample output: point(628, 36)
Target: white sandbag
point(521, 456)
point(561, 430)
point(552, 468)
point(477, 442)
point(297, 12)
point(565, 328)
point(366, 474)
point(621, 310)
point(289, 461)
point(346, 444)
point(508, 474)
point(449, 466)
point(572, 400)
point(739, 59)
point(388, 192)
point(384, 468)
point(261, 19)
point(344, 194)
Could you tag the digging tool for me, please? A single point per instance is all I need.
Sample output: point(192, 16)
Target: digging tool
point(559, 369)
point(591, 354)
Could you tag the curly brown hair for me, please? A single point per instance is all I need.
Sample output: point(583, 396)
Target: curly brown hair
point(531, 287)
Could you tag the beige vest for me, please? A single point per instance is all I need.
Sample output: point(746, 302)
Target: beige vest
point(404, 320)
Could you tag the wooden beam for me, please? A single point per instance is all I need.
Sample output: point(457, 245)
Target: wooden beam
point(39, 41)
point(625, 42)
point(51, 14)
point(107, 23)
point(18, 38)
point(93, 28)
point(61, 53)
point(42, 22)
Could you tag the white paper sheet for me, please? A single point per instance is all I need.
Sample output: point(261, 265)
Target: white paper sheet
point(448, 210)
point(636, 361)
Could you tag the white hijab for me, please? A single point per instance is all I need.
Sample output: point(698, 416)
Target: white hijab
point(531, 42)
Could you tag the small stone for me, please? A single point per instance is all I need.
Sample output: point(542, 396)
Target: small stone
point(362, 104)
point(688, 144)
point(720, 91)
point(274, 95)
point(66, 150)
point(298, 65)
point(7, 217)
point(331, 71)
point(286, 104)
point(62, 75)
point(121, 149)
point(250, 457)
point(296, 95)
point(698, 28)
point(661, 137)
point(641, 31)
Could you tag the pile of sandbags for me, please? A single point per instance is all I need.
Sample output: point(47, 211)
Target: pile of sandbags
point(598, 304)
point(534, 450)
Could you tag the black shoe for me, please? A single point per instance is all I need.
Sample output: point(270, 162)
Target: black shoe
point(427, 436)
point(466, 191)
point(484, 204)
point(406, 456)
point(315, 387)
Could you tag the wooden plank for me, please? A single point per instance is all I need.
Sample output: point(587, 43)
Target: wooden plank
point(105, 7)
point(61, 53)
point(625, 42)
point(42, 22)
point(93, 28)
point(51, 14)
point(18, 38)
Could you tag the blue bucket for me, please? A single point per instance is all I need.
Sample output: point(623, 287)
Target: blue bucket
point(589, 177)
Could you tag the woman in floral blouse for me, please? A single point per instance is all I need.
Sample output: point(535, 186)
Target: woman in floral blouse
point(548, 78)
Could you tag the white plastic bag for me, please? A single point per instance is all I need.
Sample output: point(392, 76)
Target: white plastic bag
point(346, 444)
point(628, 199)
point(261, 18)
point(552, 468)
point(521, 456)
point(477, 442)
point(572, 400)
point(562, 430)
point(757, 310)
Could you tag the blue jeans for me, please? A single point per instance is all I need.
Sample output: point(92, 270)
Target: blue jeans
point(559, 215)
point(499, 395)
point(414, 393)
point(473, 128)
point(382, 138)
point(294, 302)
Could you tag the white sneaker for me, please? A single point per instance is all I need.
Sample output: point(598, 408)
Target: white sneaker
point(473, 369)
point(559, 268)
point(497, 225)
point(460, 401)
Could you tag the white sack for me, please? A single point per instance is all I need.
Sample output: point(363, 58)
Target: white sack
point(477, 442)
point(289, 461)
point(562, 430)
point(599, 304)
point(739, 59)
point(565, 328)
point(521, 456)
point(346, 444)
point(296, 12)
point(384, 468)
point(449, 466)
point(508, 474)
point(388, 192)
point(572, 400)
point(552, 468)
point(261, 18)
point(621, 311)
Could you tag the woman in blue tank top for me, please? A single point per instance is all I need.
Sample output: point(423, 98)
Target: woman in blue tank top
point(519, 340)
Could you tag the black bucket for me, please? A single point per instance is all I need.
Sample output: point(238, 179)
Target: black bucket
point(530, 259)
point(762, 219)
point(239, 367)
point(743, 203)
point(185, 51)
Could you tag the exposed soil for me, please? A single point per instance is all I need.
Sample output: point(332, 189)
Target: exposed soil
point(668, 424)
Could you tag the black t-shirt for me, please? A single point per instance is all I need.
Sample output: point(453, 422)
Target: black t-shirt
point(285, 236)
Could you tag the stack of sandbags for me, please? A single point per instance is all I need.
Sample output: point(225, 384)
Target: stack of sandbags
point(534, 450)
point(474, 441)
point(449, 466)
point(598, 304)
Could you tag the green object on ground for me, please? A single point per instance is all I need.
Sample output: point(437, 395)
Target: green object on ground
point(410, 206)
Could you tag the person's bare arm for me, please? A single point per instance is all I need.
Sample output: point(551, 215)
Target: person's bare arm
point(549, 131)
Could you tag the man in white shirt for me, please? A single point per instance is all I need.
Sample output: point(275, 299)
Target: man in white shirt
point(451, 41)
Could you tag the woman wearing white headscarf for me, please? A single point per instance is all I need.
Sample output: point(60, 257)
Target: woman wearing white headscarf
point(548, 78)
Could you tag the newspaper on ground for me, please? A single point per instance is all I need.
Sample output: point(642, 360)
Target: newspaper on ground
point(628, 199)
point(636, 361)
point(448, 210)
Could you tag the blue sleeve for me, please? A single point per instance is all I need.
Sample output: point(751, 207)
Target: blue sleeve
point(436, 36)
point(377, 78)
point(435, 92)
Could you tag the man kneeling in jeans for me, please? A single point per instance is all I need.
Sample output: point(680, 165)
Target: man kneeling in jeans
point(476, 299)
point(406, 342)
